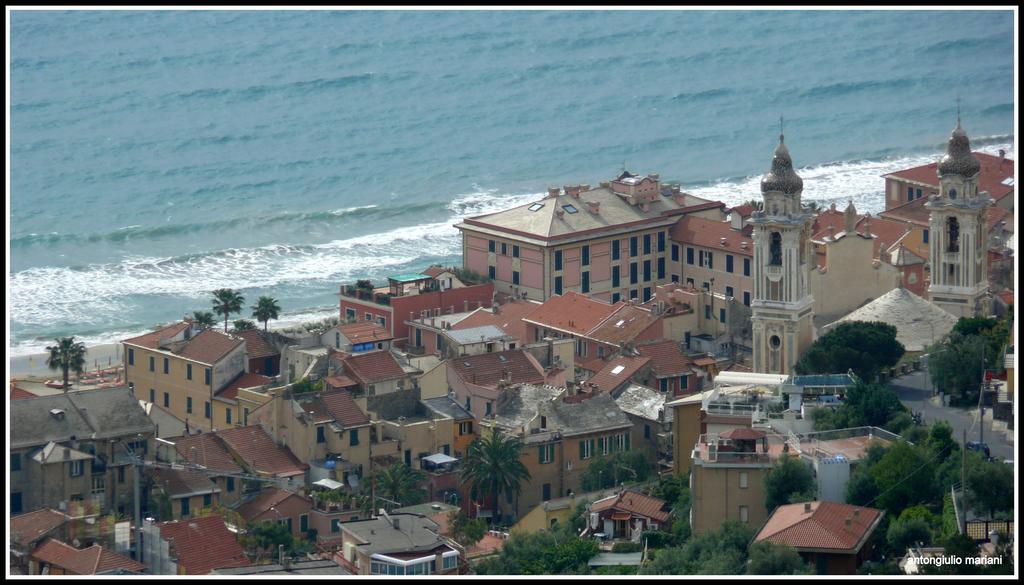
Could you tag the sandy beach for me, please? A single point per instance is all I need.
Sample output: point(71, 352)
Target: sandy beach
point(34, 366)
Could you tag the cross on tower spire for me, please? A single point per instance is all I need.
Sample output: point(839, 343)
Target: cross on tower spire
point(781, 133)
point(958, 109)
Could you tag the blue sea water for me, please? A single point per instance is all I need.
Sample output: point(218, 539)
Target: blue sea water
point(158, 155)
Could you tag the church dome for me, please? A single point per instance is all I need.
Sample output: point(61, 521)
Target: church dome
point(958, 159)
point(782, 177)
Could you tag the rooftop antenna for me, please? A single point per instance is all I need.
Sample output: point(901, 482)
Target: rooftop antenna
point(781, 133)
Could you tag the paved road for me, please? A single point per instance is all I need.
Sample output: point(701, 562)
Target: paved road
point(915, 392)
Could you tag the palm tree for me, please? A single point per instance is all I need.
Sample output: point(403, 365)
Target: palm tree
point(225, 302)
point(399, 484)
point(265, 309)
point(243, 325)
point(493, 466)
point(203, 319)
point(68, 356)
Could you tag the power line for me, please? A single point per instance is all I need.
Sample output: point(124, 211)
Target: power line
point(908, 476)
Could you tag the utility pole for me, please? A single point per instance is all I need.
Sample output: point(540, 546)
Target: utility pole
point(963, 483)
point(981, 400)
point(138, 508)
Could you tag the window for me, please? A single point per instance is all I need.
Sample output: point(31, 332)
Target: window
point(558, 259)
point(152, 395)
point(131, 356)
point(120, 474)
point(546, 492)
point(647, 243)
point(633, 293)
point(16, 503)
point(918, 194)
point(633, 246)
point(925, 236)
point(534, 207)
point(600, 351)
point(16, 462)
point(231, 484)
point(504, 249)
point(167, 366)
point(208, 411)
point(707, 285)
point(450, 562)
point(515, 277)
point(728, 263)
point(647, 270)
point(368, 316)
point(616, 297)
point(586, 255)
point(775, 250)
point(729, 291)
point(675, 252)
point(633, 273)
point(304, 523)
point(746, 298)
point(467, 404)
point(465, 428)
point(487, 410)
point(661, 241)
point(353, 437)
point(382, 321)
point(188, 371)
point(585, 286)
point(207, 500)
point(615, 276)
point(661, 268)
point(209, 376)
point(910, 193)
point(335, 525)
point(321, 434)
point(647, 431)
point(647, 294)
point(184, 506)
point(245, 417)
point(491, 273)
point(952, 235)
point(490, 245)
point(350, 314)
point(707, 311)
point(743, 479)
point(663, 384)
point(546, 453)
point(689, 256)
point(515, 250)
point(77, 468)
point(570, 208)
point(586, 448)
point(721, 315)
point(683, 382)
point(746, 267)
point(675, 278)
point(167, 400)
point(707, 259)
point(689, 282)
point(152, 364)
point(744, 514)
point(558, 285)
point(615, 249)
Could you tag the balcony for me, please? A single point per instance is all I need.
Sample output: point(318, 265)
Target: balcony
point(378, 296)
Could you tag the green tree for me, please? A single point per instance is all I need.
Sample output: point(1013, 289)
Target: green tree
point(788, 477)
point(954, 366)
point(940, 442)
point(861, 489)
point(225, 302)
point(860, 346)
point(265, 309)
point(464, 530)
point(400, 483)
point(874, 405)
point(609, 471)
point(989, 485)
point(243, 325)
point(263, 538)
point(493, 466)
point(906, 533)
point(67, 356)
point(558, 551)
point(204, 319)
point(904, 477)
point(767, 558)
point(722, 552)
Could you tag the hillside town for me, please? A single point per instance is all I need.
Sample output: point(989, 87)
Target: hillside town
point(620, 378)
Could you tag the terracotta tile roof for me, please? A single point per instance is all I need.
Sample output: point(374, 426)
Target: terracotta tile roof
point(823, 527)
point(624, 325)
point(373, 366)
point(344, 409)
point(435, 271)
point(744, 210)
point(255, 447)
point(708, 233)
point(256, 345)
point(993, 173)
point(266, 499)
point(209, 451)
point(705, 362)
point(340, 381)
point(28, 528)
point(573, 313)
point(666, 358)
point(312, 405)
point(244, 380)
point(886, 230)
point(635, 503)
point(364, 331)
point(743, 434)
point(203, 544)
point(509, 318)
point(20, 393)
point(618, 372)
point(209, 346)
point(486, 369)
point(87, 561)
point(152, 339)
point(179, 483)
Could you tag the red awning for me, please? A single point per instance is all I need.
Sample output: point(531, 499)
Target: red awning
point(620, 515)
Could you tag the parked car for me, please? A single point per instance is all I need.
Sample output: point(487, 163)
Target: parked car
point(979, 447)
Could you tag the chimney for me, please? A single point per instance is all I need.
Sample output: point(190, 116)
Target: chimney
point(395, 523)
point(722, 241)
point(645, 206)
point(572, 191)
point(856, 513)
point(67, 453)
point(1002, 156)
point(465, 305)
point(654, 176)
point(847, 523)
point(552, 191)
point(560, 213)
point(807, 506)
point(679, 198)
point(595, 207)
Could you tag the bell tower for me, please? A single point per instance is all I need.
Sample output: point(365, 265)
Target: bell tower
point(782, 307)
point(959, 232)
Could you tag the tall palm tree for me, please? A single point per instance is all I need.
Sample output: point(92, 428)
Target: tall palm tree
point(399, 484)
point(493, 466)
point(265, 309)
point(203, 319)
point(227, 301)
point(67, 356)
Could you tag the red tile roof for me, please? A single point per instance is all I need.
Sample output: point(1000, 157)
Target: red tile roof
point(572, 312)
point(743, 434)
point(339, 381)
point(28, 528)
point(87, 561)
point(255, 447)
point(823, 527)
point(509, 318)
point(209, 346)
point(203, 544)
point(993, 173)
point(245, 380)
point(435, 271)
point(635, 503)
point(887, 230)
point(666, 358)
point(744, 210)
point(364, 331)
point(608, 380)
point(373, 366)
point(209, 452)
point(344, 409)
point(624, 325)
point(486, 369)
point(256, 345)
point(266, 500)
point(708, 233)
point(152, 339)
point(179, 483)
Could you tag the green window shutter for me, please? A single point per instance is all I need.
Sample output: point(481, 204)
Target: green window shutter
point(627, 441)
point(582, 450)
point(540, 454)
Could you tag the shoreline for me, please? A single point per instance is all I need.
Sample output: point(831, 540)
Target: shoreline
point(104, 355)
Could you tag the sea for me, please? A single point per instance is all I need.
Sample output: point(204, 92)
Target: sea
point(158, 155)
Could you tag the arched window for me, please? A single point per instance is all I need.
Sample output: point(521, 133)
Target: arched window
point(952, 193)
point(952, 235)
point(775, 250)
